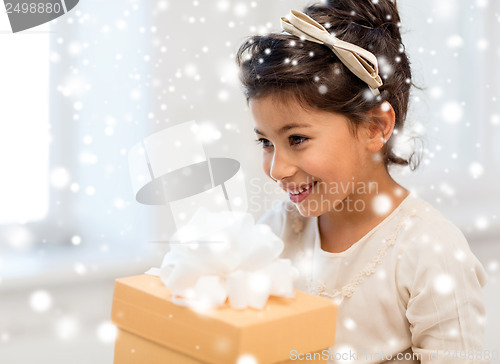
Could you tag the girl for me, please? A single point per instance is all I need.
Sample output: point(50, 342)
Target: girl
point(407, 285)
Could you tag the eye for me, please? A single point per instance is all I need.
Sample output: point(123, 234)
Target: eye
point(297, 140)
point(264, 142)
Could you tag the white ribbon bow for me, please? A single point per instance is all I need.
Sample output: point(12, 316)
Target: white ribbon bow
point(225, 254)
point(355, 58)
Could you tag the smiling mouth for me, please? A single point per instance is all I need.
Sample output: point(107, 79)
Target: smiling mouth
point(302, 190)
point(301, 196)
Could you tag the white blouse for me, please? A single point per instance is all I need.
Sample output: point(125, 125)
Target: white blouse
point(410, 289)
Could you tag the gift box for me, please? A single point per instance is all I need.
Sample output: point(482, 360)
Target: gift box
point(152, 329)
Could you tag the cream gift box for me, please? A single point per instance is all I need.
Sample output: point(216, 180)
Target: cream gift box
point(152, 329)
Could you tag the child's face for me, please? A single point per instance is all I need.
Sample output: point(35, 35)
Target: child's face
point(323, 150)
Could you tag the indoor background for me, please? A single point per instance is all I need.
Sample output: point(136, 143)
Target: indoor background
point(79, 92)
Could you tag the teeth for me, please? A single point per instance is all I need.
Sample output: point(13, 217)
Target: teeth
point(302, 189)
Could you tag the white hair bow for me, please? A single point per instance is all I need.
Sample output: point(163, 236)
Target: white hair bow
point(355, 58)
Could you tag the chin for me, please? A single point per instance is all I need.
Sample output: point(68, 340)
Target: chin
point(309, 211)
point(313, 208)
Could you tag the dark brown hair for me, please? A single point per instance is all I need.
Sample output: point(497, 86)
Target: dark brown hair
point(290, 68)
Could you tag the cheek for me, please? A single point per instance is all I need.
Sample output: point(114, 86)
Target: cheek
point(333, 166)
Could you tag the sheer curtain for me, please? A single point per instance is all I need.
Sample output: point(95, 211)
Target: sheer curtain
point(454, 52)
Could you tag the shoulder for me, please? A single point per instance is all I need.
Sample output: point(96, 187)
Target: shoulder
point(432, 246)
point(439, 282)
point(426, 226)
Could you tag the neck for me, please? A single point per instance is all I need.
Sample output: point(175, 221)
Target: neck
point(366, 207)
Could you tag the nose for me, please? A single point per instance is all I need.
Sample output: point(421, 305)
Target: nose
point(282, 166)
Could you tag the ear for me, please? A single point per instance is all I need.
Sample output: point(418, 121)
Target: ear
point(379, 130)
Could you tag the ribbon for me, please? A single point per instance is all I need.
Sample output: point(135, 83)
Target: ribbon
point(220, 255)
point(353, 57)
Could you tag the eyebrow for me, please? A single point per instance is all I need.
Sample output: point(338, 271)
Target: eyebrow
point(285, 128)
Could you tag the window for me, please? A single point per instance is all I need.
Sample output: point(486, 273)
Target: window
point(24, 126)
point(74, 94)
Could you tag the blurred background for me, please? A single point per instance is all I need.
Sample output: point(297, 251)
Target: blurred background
point(79, 92)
